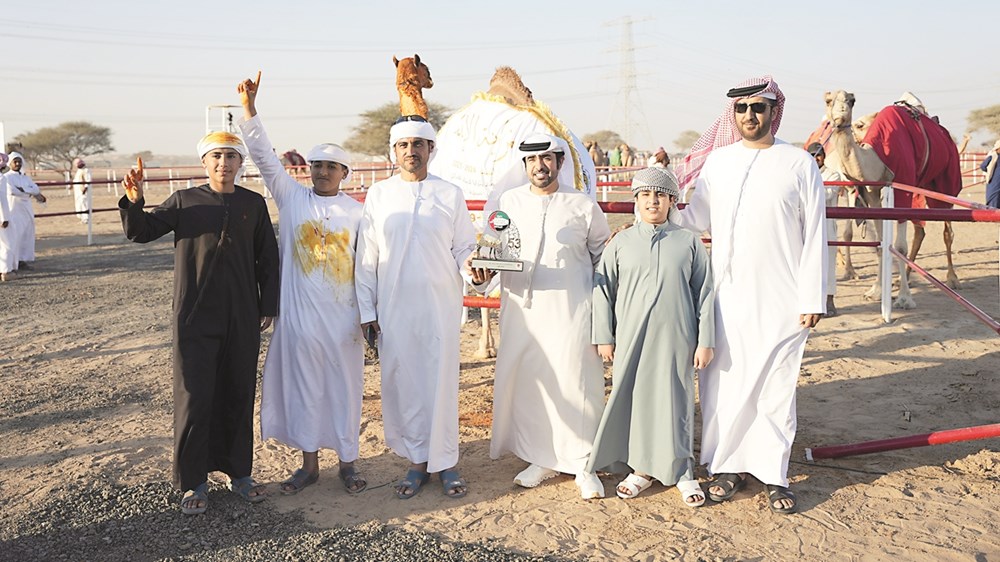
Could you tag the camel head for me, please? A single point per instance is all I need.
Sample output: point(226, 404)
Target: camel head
point(506, 82)
point(860, 127)
point(412, 72)
point(839, 107)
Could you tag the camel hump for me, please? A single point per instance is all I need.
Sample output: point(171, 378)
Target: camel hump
point(506, 82)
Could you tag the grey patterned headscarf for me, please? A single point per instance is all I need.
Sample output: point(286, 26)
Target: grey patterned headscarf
point(655, 179)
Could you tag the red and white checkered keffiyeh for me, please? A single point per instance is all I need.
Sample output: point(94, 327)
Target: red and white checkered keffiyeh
point(724, 132)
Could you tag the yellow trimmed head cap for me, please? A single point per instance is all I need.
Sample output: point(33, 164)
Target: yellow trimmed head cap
point(221, 139)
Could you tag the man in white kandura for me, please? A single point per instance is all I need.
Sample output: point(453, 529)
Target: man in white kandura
point(21, 189)
point(832, 195)
point(415, 236)
point(81, 190)
point(762, 199)
point(314, 372)
point(8, 261)
point(549, 391)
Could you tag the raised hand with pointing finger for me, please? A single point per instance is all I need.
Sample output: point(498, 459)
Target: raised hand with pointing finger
point(248, 96)
point(132, 182)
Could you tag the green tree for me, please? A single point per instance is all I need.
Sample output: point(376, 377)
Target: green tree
point(686, 140)
point(146, 155)
point(371, 136)
point(57, 147)
point(605, 139)
point(986, 118)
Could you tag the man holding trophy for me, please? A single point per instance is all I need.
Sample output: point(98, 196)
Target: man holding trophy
point(549, 388)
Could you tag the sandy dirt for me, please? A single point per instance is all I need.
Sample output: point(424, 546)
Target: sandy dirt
point(85, 404)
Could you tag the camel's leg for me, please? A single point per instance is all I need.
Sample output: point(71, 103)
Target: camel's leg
point(849, 271)
point(905, 298)
point(918, 240)
point(949, 237)
point(487, 349)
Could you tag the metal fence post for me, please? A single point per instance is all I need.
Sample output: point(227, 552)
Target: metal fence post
point(887, 258)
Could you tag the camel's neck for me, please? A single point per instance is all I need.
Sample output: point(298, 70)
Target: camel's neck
point(844, 145)
point(856, 162)
point(411, 101)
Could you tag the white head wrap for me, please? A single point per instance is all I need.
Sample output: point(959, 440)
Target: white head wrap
point(13, 155)
point(411, 130)
point(539, 143)
point(221, 139)
point(329, 152)
point(913, 101)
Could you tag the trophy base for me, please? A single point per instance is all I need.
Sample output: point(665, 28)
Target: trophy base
point(497, 265)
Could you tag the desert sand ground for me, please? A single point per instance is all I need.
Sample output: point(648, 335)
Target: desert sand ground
point(85, 438)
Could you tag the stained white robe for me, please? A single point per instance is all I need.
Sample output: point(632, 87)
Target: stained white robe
point(548, 395)
point(81, 194)
point(21, 189)
point(8, 262)
point(765, 210)
point(314, 372)
point(413, 242)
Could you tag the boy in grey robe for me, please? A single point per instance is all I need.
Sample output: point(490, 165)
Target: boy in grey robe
point(654, 318)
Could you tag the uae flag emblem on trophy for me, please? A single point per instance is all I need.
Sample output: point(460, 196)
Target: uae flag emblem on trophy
point(500, 245)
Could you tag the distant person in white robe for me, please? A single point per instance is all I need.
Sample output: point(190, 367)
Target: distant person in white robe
point(21, 189)
point(762, 200)
point(314, 372)
point(7, 261)
point(415, 236)
point(549, 390)
point(81, 191)
point(832, 195)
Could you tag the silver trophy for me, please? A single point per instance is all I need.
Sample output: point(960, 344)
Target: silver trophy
point(500, 245)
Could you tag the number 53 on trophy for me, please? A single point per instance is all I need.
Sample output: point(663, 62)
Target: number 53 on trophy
point(500, 245)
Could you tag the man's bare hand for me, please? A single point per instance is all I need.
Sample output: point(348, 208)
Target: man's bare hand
point(132, 182)
point(265, 322)
point(703, 356)
point(809, 320)
point(479, 275)
point(248, 95)
point(606, 351)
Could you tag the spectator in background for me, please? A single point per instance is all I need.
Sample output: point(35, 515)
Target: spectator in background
point(81, 191)
point(21, 190)
point(7, 261)
point(832, 194)
point(659, 159)
point(989, 166)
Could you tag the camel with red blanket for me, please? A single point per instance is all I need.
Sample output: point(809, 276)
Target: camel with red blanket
point(921, 153)
point(859, 163)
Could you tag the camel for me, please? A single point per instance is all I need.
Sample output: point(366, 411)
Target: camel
point(412, 76)
point(861, 164)
point(628, 159)
point(923, 154)
point(596, 154)
point(477, 151)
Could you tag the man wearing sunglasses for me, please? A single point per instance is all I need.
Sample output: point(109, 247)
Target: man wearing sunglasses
point(414, 237)
point(763, 202)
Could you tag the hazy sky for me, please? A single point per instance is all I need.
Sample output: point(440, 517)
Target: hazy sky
point(149, 72)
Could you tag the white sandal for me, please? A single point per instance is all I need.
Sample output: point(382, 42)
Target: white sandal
point(590, 485)
point(533, 476)
point(634, 484)
point(691, 489)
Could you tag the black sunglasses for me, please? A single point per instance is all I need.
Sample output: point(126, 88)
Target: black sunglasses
point(405, 118)
point(757, 107)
